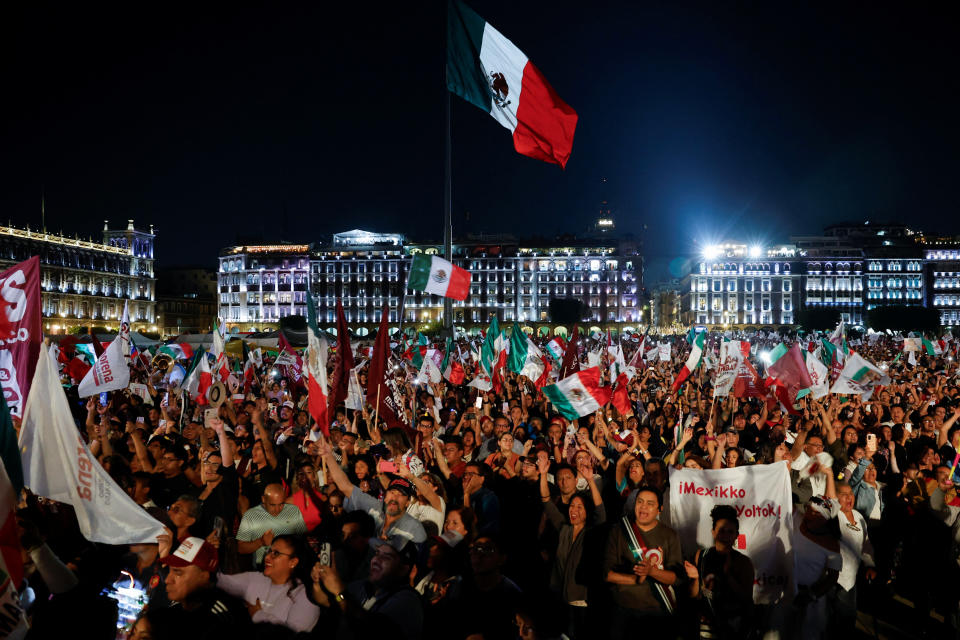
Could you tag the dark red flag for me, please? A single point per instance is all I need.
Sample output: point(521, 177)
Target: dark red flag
point(571, 357)
point(380, 393)
point(341, 371)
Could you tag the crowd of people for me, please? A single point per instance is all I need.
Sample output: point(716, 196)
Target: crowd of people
point(494, 516)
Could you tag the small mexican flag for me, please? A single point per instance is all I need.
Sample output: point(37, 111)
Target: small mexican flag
point(176, 351)
point(488, 353)
point(696, 354)
point(452, 369)
point(525, 358)
point(556, 347)
point(490, 72)
point(439, 277)
point(578, 395)
point(199, 378)
point(932, 348)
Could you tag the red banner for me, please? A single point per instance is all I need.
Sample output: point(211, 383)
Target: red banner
point(20, 289)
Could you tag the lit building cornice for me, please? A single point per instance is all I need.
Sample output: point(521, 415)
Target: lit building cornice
point(62, 240)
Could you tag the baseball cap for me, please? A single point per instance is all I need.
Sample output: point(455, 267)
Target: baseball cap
point(193, 551)
point(288, 404)
point(403, 546)
point(336, 426)
point(402, 485)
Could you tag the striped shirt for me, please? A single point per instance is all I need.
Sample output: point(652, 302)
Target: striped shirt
point(257, 521)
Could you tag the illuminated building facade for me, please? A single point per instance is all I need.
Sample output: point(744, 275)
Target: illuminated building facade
point(515, 280)
point(851, 268)
point(942, 270)
point(84, 283)
point(736, 285)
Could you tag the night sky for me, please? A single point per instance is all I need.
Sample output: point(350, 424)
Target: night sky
point(709, 120)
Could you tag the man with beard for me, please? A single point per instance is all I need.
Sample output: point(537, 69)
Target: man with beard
point(390, 515)
point(382, 606)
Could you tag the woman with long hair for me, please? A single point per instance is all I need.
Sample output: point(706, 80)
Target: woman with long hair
point(469, 446)
point(278, 594)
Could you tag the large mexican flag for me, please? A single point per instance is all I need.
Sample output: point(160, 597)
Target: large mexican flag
point(490, 72)
point(439, 277)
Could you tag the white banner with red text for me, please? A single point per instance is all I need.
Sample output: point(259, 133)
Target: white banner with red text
point(762, 497)
point(58, 465)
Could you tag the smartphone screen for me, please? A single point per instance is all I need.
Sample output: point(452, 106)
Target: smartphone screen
point(103, 399)
point(479, 402)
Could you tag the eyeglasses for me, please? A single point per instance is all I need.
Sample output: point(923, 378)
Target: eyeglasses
point(274, 553)
point(482, 549)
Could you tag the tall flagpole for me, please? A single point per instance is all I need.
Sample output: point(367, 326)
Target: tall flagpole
point(447, 191)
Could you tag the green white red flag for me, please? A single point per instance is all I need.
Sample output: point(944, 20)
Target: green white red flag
point(578, 395)
point(490, 72)
point(451, 367)
point(199, 378)
point(556, 348)
point(440, 277)
point(317, 350)
point(525, 358)
point(693, 361)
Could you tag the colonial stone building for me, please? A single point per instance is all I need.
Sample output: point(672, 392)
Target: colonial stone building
point(85, 283)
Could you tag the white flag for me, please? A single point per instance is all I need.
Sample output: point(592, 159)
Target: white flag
point(731, 359)
point(860, 377)
point(140, 389)
point(354, 398)
point(665, 352)
point(481, 381)
point(820, 376)
point(429, 372)
point(111, 371)
point(218, 339)
point(58, 465)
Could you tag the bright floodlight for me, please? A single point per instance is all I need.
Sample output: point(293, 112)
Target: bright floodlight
point(755, 251)
point(711, 251)
point(765, 356)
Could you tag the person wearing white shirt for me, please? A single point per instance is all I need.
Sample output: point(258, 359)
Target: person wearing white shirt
point(806, 447)
point(855, 549)
point(429, 505)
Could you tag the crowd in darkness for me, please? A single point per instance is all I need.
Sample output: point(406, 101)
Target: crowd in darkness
point(493, 516)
